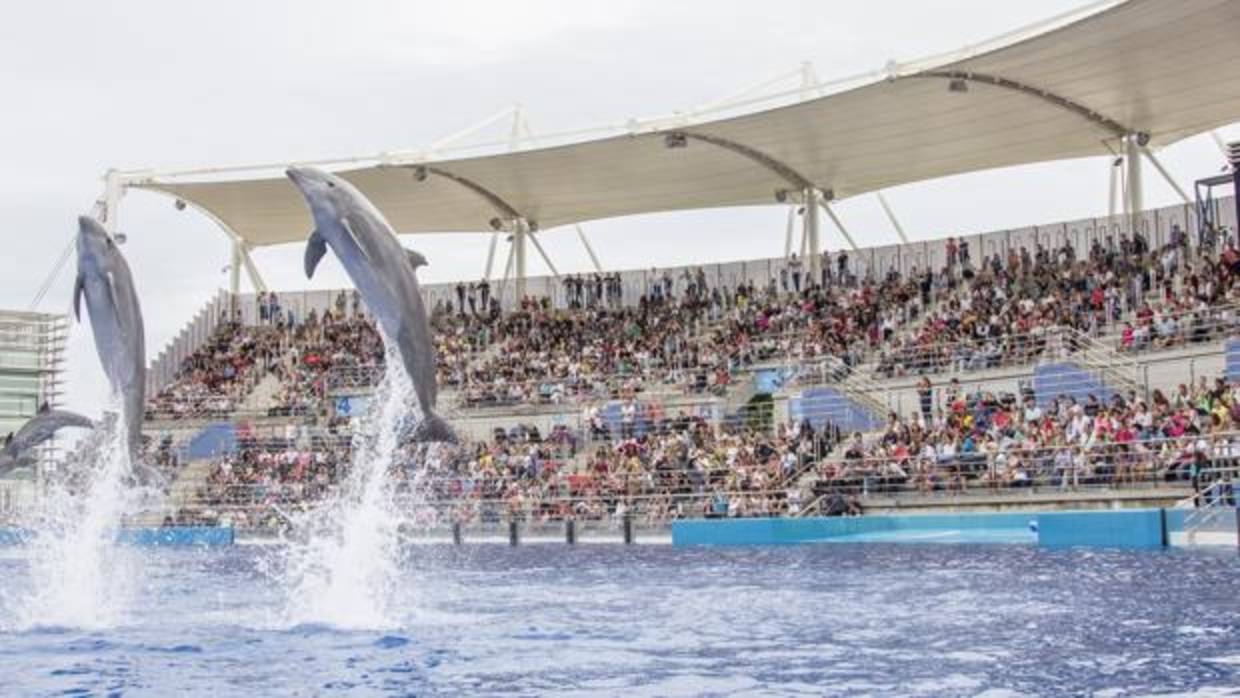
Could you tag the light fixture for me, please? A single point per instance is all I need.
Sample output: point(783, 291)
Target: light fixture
point(675, 139)
point(1143, 138)
point(420, 173)
point(120, 238)
point(496, 224)
point(959, 85)
point(781, 196)
point(179, 204)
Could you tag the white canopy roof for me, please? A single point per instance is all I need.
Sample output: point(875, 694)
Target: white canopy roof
point(1069, 88)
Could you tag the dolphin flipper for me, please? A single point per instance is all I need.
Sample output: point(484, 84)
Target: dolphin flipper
point(316, 247)
point(79, 288)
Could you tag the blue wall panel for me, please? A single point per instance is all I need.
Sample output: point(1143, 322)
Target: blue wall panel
point(176, 536)
point(1124, 528)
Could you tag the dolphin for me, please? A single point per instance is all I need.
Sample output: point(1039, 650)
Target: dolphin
point(104, 280)
point(40, 428)
point(383, 272)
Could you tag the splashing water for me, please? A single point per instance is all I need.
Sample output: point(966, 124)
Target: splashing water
point(345, 572)
point(79, 576)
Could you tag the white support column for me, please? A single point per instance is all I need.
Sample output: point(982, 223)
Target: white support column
point(1136, 202)
point(113, 192)
point(503, 282)
point(812, 248)
point(520, 230)
point(486, 274)
point(826, 206)
point(792, 217)
point(581, 235)
point(251, 270)
point(234, 268)
point(891, 216)
point(1149, 155)
point(1113, 167)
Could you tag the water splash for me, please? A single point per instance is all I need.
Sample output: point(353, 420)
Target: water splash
point(344, 572)
point(79, 576)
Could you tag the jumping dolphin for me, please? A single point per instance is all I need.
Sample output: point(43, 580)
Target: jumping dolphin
point(116, 320)
point(39, 429)
point(384, 273)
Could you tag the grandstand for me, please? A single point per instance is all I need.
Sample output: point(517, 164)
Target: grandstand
point(1082, 361)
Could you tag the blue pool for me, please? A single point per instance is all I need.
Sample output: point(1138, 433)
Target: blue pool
point(933, 620)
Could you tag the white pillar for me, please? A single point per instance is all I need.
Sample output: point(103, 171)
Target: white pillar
point(112, 193)
point(1136, 202)
point(486, 274)
point(234, 268)
point(812, 226)
point(520, 230)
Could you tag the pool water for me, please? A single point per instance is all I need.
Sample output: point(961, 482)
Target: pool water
point(874, 618)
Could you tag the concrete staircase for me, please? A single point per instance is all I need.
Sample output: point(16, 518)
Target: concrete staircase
point(262, 397)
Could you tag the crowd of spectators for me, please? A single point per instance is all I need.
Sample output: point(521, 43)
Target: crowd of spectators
point(982, 439)
point(688, 334)
point(214, 380)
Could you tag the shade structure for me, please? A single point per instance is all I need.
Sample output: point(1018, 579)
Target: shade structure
point(1072, 88)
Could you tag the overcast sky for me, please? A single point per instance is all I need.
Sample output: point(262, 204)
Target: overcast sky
point(151, 83)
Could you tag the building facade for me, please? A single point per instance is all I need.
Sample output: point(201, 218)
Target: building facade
point(32, 347)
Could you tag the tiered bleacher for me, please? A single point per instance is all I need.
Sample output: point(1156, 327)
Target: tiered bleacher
point(648, 398)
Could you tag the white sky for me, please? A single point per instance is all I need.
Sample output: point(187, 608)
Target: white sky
point(148, 83)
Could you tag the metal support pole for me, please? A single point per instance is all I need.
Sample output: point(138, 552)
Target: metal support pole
point(581, 235)
point(812, 224)
point(826, 206)
point(570, 532)
point(543, 253)
point(503, 282)
point(514, 533)
point(891, 216)
point(113, 192)
point(251, 270)
point(1113, 166)
point(520, 231)
point(490, 256)
point(1149, 154)
point(1135, 200)
point(792, 216)
point(234, 269)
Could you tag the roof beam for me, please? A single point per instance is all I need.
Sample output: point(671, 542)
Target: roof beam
point(1100, 120)
point(505, 210)
point(799, 182)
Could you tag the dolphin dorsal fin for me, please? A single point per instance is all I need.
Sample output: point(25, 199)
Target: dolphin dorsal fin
point(416, 259)
point(79, 288)
point(316, 247)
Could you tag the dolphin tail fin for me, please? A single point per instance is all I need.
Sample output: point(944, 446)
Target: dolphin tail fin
point(148, 476)
point(316, 247)
point(79, 287)
point(435, 429)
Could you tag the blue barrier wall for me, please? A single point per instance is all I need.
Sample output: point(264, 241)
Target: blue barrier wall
point(996, 528)
point(1052, 380)
point(1123, 528)
point(1231, 353)
point(171, 536)
point(822, 405)
point(176, 536)
point(212, 441)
